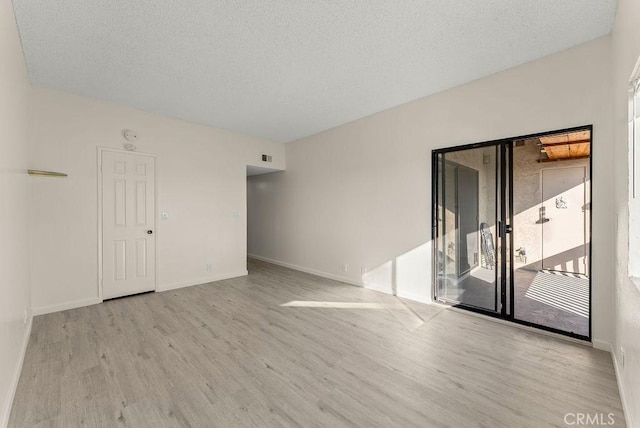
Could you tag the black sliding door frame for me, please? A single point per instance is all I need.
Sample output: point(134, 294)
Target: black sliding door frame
point(504, 209)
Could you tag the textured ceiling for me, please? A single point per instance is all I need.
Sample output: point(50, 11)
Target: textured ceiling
point(286, 69)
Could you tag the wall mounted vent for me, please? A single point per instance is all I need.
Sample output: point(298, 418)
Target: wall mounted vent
point(267, 158)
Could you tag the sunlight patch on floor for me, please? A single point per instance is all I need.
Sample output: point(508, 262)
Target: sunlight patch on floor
point(570, 294)
point(401, 312)
point(336, 305)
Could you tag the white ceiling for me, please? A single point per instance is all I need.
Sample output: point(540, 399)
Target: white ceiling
point(284, 69)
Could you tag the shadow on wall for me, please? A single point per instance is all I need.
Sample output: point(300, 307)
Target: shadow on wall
point(408, 275)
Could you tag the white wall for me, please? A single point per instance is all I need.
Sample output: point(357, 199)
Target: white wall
point(360, 194)
point(626, 51)
point(201, 183)
point(14, 267)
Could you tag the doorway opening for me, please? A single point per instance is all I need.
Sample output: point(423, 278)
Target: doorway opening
point(512, 229)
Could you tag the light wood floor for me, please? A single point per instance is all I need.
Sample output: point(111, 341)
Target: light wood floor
point(230, 354)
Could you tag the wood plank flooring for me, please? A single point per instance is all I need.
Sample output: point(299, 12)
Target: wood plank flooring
point(234, 354)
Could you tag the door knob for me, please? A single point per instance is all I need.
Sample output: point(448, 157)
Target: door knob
point(149, 232)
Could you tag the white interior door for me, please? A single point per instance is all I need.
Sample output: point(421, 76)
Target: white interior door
point(128, 224)
point(564, 235)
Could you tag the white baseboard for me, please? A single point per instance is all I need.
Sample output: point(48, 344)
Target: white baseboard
point(64, 306)
point(173, 286)
point(6, 408)
point(626, 405)
point(308, 270)
point(94, 300)
point(415, 297)
point(602, 345)
point(351, 281)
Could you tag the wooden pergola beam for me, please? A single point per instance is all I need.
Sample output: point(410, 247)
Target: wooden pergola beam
point(562, 159)
point(566, 143)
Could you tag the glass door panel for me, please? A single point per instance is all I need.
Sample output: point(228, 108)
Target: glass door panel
point(551, 232)
point(467, 263)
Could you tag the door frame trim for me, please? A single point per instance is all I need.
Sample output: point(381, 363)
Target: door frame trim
point(434, 228)
point(100, 150)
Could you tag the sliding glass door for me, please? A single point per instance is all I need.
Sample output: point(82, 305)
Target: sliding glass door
point(511, 229)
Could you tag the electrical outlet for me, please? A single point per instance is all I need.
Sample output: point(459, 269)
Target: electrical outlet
point(209, 267)
point(25, 316)
point(164, 215)
point(345, 268)
point(363, 269)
